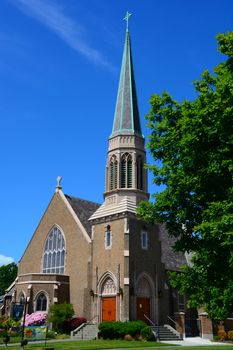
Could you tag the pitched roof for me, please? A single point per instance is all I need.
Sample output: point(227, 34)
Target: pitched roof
point(83, 209)
point(126, 119)
point(171, 259)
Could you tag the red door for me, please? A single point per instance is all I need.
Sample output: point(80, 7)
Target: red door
point(109, 309)
point(143, 308)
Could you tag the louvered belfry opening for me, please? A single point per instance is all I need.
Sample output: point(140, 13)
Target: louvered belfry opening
point(126, 171)
point(139, 173)
point(113, 173)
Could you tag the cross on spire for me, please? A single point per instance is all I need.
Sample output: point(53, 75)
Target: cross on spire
point(127, 17)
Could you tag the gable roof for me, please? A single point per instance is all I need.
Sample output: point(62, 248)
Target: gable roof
point(172, 260)
point(83, 209)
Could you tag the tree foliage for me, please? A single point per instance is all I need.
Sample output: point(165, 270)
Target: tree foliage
point(192, 144)
point(8, 274)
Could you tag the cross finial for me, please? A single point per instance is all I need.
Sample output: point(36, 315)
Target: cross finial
point(127, 17)
point(59, 178)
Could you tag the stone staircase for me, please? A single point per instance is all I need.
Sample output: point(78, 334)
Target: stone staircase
point(166, 332)
point(86, 331)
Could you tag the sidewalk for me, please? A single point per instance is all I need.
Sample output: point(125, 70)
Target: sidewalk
point(194, 342)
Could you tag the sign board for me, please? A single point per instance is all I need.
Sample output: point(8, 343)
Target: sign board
point(35, 332)
point(17, 311)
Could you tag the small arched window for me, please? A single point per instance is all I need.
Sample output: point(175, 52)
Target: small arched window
point(113, 173)
point(54, 252)
point(41, 302)
point(126, 171)
point(21, 298)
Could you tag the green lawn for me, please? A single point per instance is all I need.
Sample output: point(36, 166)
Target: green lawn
point(110, 344)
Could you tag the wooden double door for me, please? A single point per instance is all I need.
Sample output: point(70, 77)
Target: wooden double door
point(109, 309)
point(143, 309)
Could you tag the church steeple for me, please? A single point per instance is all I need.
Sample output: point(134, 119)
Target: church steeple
point(126, 177)
point(126, 118)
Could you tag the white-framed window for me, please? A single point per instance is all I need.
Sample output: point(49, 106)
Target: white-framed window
point(108, 238)
point(54, 252)
point(144, 240)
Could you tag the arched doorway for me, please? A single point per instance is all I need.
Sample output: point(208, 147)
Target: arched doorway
point(108, 300)
point(143, 300)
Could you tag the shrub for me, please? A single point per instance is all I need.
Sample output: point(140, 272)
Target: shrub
point(118, 330)
point(73, 323)
point(147, 333)
point(59, 313)
point(222, 335)
point(230, 335)
point(37, 318)
point(50, 334)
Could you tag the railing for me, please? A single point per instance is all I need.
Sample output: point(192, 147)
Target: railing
point(148, 319)
point(79, 328)
point(174, 326)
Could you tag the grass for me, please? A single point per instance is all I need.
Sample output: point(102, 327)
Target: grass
point(111, 344)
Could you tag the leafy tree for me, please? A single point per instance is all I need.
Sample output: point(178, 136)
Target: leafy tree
point(192, 144)
point(8, 274)
point(59, 314)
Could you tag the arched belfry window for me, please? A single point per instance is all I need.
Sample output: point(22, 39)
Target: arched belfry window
point(113, 173)
point(54, 252)
point(126, 171)
point(139, 173)
point(41, 302)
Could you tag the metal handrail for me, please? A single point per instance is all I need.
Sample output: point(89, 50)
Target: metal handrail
point(82, 326)
point(175, 323)
point(153, 324)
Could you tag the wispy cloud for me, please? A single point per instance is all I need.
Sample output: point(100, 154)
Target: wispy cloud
point(5, 260)
point(53, 17)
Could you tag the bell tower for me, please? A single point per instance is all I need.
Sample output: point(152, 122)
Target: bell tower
point(126, 178)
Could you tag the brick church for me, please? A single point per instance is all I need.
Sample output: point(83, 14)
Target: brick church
point(102, 258)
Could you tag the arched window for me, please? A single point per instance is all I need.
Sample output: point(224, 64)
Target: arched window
point(113, 173)
point(54, 252)
point(21, 298)
point(126, 171)
point(41, 302)
point(140, 173)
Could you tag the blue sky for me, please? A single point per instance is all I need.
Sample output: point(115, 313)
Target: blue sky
point(59, 69)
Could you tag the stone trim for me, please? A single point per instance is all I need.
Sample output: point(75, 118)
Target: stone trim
point(75, 217)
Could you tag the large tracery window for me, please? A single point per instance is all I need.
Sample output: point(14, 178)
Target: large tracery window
point(126, 171)
point(113, 173)
point(54, 252)
point(41, 302)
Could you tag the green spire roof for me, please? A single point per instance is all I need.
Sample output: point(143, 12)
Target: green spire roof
point(126, 119)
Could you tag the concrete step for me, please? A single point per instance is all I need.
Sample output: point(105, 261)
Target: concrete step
point(166, 333)
point(86, 331)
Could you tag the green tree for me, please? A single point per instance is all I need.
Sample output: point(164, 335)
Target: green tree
point(8, 274)
point(192, 145)
point(59, 313)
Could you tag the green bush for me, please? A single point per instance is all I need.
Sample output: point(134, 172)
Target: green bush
point(147, 333)
point(59, 314)
point(118, 330)
point(50, 334)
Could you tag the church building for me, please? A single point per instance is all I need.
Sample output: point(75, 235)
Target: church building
point(103, 258)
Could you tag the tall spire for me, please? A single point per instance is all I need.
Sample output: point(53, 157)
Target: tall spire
point(126, 118)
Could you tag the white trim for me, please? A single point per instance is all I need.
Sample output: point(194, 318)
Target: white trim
point(126, 252)
point(42, 282)
point(75, 217)
point(126, 281)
